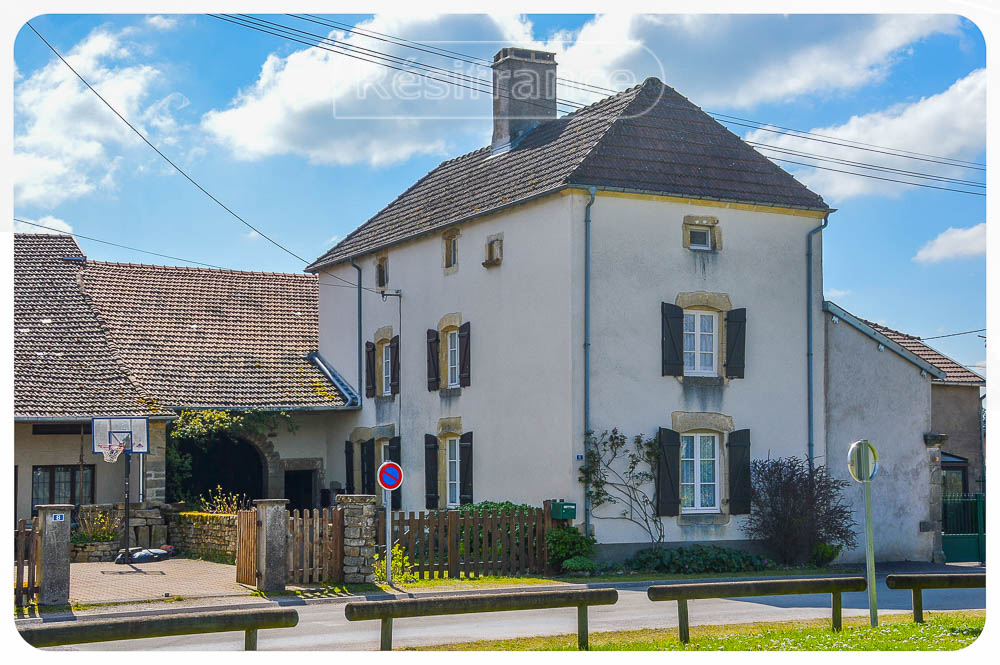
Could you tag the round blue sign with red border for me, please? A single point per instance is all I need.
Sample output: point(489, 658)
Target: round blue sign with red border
point(389, 476)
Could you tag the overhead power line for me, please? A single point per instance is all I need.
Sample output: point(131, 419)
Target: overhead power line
point(967, 332)
point(160, 153)
point(115, 244)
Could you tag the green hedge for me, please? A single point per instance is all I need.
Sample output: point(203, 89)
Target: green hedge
point(697, 559)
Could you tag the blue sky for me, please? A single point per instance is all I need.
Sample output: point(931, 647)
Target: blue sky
point(266, 125)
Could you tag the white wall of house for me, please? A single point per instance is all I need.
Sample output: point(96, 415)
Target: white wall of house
point(65, 449)
point(882, 397)
point(519, 404)
point(639, 261)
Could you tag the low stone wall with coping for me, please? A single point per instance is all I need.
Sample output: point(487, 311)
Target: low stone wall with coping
point(93, 552)
point(359, 537)
point(208, 535)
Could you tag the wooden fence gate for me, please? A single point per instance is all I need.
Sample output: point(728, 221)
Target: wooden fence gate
point(246, 547)
point(458, 543)
point(26, 542)
point(315, 546)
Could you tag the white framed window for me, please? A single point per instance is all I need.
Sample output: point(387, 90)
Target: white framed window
point(699, 473)
point(700, 237)
point(453, 472)
point(451, 251)
point(387, 369)
point(700, 343)
point(453, 359)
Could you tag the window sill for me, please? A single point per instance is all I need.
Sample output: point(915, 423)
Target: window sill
point(701, 249)
point(384, 398)
point(702, 519)
point(704, 380)
point(450, 392)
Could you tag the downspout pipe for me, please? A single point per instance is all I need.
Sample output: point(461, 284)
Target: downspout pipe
point(586, 355)
point(982, 447)
point(360, 350)
point(809, 335)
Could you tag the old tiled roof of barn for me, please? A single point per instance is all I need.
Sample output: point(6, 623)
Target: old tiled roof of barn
point(66, 365)
point(198, 337)
point(648, 138)
point(953, 371)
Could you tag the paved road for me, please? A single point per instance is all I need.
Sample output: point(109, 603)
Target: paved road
point(323, 626)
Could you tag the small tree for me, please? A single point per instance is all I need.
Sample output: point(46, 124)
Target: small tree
point(617, 474)
point(795, 508)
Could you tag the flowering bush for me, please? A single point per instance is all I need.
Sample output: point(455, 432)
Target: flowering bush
point(402, 571)
point(223, 503)
point(97, 526)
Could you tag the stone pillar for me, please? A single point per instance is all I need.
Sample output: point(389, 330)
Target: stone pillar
point(359, 537)
point(933, 442)
point(155, 464)
point(53, 564)
point(272, 530)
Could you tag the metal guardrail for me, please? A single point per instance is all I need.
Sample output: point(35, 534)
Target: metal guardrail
point(917, 582)
point(682, 593)
point(58, 633)
point(387, 610)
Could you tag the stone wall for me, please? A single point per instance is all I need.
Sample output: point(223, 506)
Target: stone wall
point(208, 535)
point(94, 552)
point(148, 527)
point(359, 537)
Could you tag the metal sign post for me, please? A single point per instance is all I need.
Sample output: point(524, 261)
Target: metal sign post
point(389, 477)
point(862, 462)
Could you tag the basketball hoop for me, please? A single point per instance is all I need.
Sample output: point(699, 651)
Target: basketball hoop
point(112, 450)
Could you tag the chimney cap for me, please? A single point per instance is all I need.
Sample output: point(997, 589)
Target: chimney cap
point(528, 55)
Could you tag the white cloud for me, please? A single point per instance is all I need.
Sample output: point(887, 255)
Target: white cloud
point(950, 124)
point(51, 225)
point(162, 22)
point(334, 239)
point(837, 293)
point(67, 143)
point(954, 244)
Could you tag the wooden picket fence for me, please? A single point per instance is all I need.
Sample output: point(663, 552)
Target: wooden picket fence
point(26, 542)
point(458, 543)
point(315, 546)
point(246, 547)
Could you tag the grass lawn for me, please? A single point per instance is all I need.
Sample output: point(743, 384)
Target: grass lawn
point(943, 631)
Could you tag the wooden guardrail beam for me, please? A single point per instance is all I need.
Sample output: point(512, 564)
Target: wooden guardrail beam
point(682, 593)
point(58, 633)
point(917, 582)
point(387, 610)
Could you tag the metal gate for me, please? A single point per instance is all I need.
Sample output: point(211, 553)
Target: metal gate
point(246, 547)
point(963, 527)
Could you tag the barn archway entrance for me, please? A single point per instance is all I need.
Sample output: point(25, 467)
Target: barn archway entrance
point(233, 463)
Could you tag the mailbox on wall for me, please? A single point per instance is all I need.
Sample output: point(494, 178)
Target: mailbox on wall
point(563, 510)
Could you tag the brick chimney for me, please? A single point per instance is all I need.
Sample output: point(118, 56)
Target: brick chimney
point(524, 94)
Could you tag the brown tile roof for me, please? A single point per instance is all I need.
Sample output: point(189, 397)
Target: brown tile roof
point(647, 138)
point(65, 365)
point(198, 337)
point(953, 371)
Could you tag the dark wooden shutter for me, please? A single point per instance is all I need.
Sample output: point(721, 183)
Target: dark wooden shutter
point(465, 468)
point(349, 467)
point(394, 453)
point(668, 483)
point(464, 359)
point(433, 360)
point(739, 472)
point(672, 339)
point(736, 342)
point(431, 471)
point(369, 369)
point(394, 365)
point(368, 467)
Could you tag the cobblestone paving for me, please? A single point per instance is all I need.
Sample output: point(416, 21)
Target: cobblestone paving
point(190, 578)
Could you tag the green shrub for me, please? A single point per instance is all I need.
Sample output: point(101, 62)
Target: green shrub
point(697, 559)
point(579, 564)
point(565, 543)
point(402, 570)
point(822, 554)
point(495, 506)
point(97, 526)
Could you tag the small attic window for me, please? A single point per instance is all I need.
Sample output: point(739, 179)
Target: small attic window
point(382, 273)
point(700, 238)
point(494, 251)
point(451, 249)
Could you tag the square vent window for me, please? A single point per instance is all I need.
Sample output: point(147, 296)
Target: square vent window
point(700, 238)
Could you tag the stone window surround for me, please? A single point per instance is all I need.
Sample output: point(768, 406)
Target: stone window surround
point(381, 338)
point(489, 262)
point(446, 238)
point(719, 303)
point(697, 222)
point(358, 435)
point(447, 427)
point(697, 422)
point(448, 323)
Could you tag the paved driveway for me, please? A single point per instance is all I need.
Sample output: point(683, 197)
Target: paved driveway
point(191, 578)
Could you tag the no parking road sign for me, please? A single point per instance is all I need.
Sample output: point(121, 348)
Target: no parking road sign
point(390, 476)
